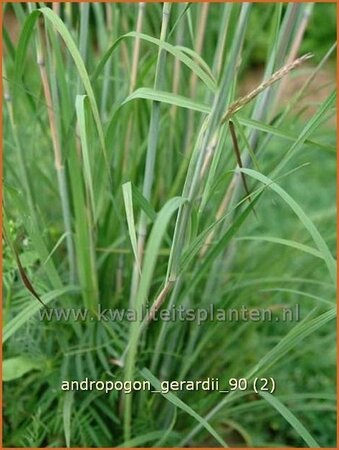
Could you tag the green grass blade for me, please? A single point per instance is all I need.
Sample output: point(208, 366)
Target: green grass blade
point(291, 340)
point(167, 97)
point(279, 132)
point(165, 46)
point(310, 127)
point(66, 415)
point(305, 220)
point(142, 440)
point(290, 418)
point(128, 195)
point(80, 110)
point(183, 406)
point(195, 56)
point(144, 204)
point(287, 242)
point(287, 343)
point(151, 253)
point(303, 294)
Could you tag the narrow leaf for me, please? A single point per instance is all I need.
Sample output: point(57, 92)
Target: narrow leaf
point(181, 405)
point(291, 419)
point(127, 194)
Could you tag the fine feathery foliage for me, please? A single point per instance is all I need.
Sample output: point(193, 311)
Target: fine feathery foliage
point(158, 157)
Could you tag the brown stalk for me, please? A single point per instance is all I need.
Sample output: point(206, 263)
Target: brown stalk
point(238, 157)
point(49, 103)
point(199, 41)
point(134, 71)
point(24, 278)
point(159, 300)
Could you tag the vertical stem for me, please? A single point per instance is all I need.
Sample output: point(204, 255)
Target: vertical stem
point(83, 39)
point(134, 71)
point(56, 7)
point(108, 66)
point(200, 34)
point(136, 50)
point(151, 150)
point(155, 115)
point(168, 159)
point(61, 175)
point(265, 99)
point(294, 50)
point(219, 54)
point(207, 137)
point(147, 188)
point(125, 59)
